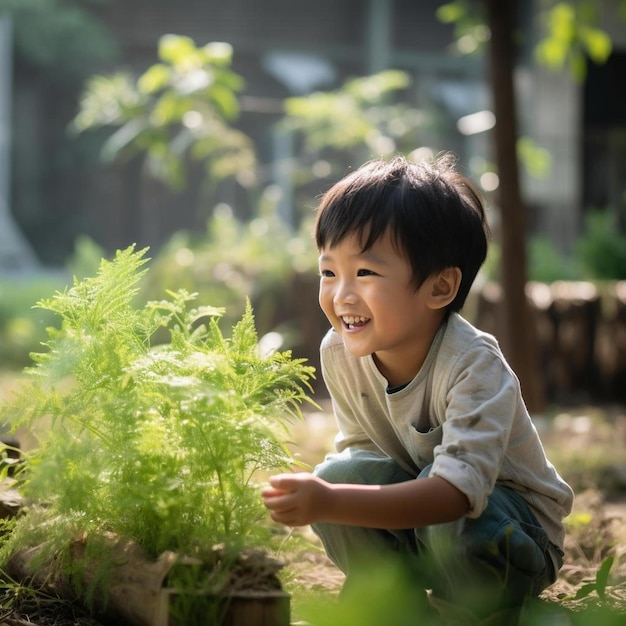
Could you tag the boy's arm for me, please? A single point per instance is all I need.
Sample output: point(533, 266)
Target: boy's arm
point(300, 499)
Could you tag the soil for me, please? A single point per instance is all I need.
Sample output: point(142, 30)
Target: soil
point(588, 442)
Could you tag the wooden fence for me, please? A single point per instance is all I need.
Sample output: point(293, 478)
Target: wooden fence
point(581, 332)
point(580, 329)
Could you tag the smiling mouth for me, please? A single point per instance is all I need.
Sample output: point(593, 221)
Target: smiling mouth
point(353, 322)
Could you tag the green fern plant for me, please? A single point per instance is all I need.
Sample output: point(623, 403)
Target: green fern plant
point(158, 443)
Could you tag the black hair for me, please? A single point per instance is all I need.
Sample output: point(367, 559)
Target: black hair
point(434, 214)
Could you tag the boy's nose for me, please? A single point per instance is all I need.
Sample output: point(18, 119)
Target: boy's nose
point(345, 293)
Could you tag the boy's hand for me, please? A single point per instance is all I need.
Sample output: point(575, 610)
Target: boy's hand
point(297, 499)
point(300, 499)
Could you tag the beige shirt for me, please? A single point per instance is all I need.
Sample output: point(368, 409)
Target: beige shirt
point(463, 412)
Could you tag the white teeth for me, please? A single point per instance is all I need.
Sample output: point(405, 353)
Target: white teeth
point(351, 320)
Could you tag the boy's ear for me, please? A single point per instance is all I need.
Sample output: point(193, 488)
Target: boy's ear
point(445, 286)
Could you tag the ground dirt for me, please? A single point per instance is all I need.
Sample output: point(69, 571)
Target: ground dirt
point(586, 443)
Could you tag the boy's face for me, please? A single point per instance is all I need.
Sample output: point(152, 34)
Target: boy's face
point(370, 300)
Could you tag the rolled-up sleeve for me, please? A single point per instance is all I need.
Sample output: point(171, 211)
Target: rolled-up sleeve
point(481, 403)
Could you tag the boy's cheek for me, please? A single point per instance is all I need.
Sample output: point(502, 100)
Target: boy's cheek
point(331, 317)
point(326, 301)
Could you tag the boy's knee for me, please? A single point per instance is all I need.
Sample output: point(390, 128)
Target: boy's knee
point(339, 470)
point(360, 467)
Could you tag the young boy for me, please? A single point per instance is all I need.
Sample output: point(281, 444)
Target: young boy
point(436, 452)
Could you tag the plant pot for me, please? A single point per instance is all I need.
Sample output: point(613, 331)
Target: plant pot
point(244, 608)
point(138, 594)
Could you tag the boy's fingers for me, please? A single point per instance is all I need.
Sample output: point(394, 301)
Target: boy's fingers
point(289, 481)
point(272, 492)
point(283, 518)
point(281, 481)
point(278, 504)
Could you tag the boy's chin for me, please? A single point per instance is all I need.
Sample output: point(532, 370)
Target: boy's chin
point(355, 350)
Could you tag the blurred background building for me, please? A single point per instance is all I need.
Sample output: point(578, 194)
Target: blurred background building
point(56, 187)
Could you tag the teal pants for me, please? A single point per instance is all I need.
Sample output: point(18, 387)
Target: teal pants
point(494, 561)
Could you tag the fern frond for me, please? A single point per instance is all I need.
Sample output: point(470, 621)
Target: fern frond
point(157, 443)
point(244, 336)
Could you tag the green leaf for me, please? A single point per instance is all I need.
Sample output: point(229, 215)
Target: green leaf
point(226, 102)
point(218, 52)
point(551, 52)
point(597, 44)
point(562, 19)
point(600, 583)
point(537, 160)
point(176, 49)
point(244, 336)
point(602, 577)
point(451, 12)
point(585, 590)
point(154, 79)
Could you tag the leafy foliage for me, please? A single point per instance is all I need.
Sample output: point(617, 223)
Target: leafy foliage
point(470, 31)
point(570, 32)
point(598, 254)
point(600, 583)
point(354, 115)
point(572, 36)
point(602, 247)
point(547, 264)
point(181, 107)
point(158, 443)
point(363, 116)
point(233, 261)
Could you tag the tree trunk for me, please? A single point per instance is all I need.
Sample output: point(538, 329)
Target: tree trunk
point(518, 341)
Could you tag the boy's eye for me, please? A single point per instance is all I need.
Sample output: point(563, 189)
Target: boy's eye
point(326, 273)
point(364, 272)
